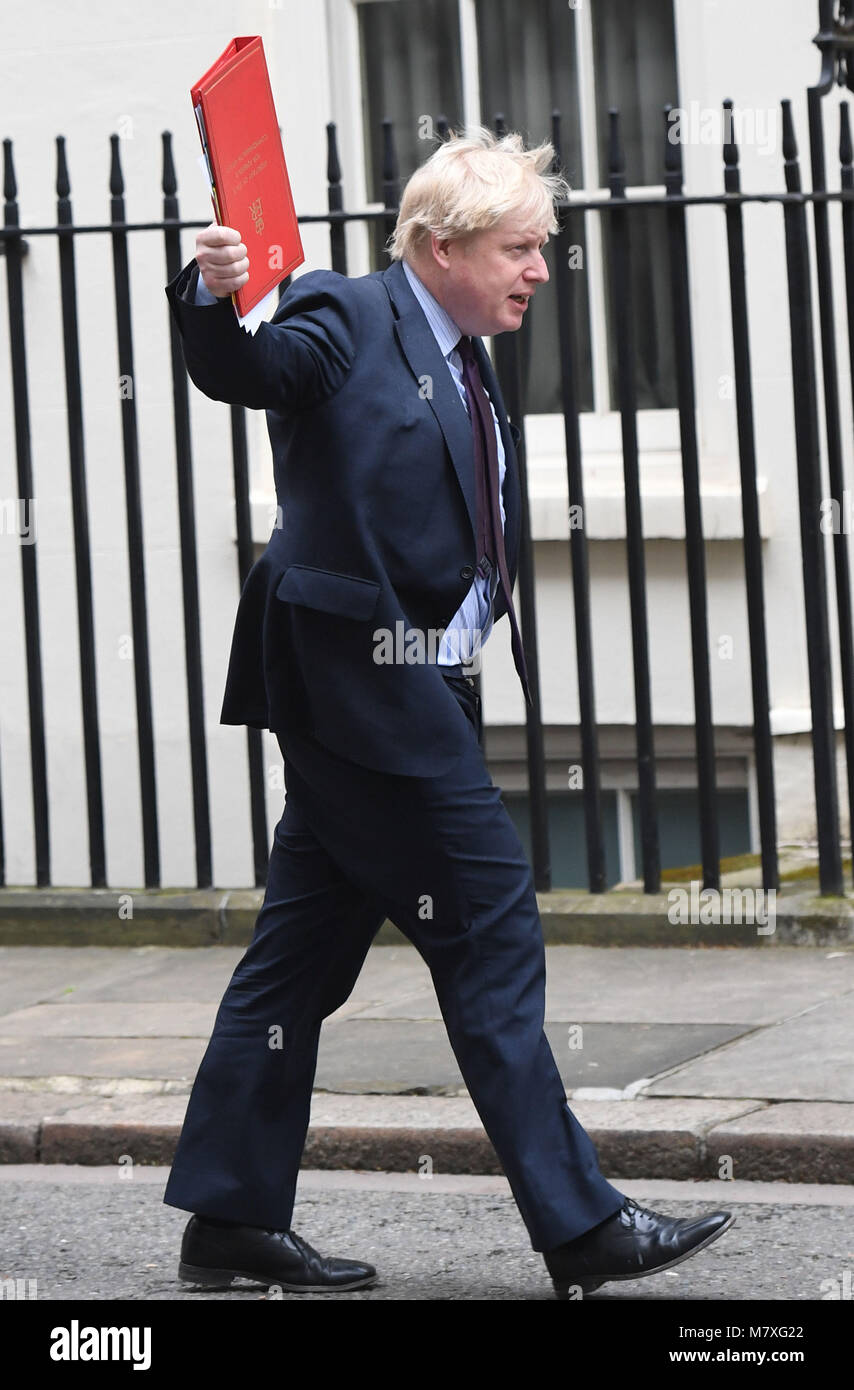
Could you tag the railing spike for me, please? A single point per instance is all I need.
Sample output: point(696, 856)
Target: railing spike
point(333, 163)
point(170, 180)
point(10, 186)
point(790, 143)
point(672, 154)
point(63, 183)
point(730, 147)
point(117, 183)
point(556, 134)
point(846, 153)
point(390, 164)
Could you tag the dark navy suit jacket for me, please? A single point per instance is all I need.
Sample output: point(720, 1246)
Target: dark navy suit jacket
point(374, 472)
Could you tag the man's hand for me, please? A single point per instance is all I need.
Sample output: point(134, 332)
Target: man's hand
point(222, 259)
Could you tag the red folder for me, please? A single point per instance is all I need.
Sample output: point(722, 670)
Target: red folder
point(251, 190)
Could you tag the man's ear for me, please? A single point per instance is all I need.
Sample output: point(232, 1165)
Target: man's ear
point(440, 249)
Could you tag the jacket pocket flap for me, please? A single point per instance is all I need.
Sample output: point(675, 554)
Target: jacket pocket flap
point(331, 593)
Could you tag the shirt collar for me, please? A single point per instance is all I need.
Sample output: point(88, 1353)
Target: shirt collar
point(445, 331)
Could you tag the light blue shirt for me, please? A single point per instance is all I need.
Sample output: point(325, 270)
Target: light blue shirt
point(472, 622)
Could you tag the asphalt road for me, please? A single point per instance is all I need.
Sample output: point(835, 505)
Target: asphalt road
point(90, 1234)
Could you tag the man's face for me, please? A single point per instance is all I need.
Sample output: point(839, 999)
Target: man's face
point(488, 277)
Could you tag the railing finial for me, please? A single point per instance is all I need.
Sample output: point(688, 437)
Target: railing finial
point(835, 40)
point(117, 182)
point(169, 180)
point(63, 181)
point(10, 185)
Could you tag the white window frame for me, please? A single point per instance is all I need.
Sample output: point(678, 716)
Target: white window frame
point(658, 430)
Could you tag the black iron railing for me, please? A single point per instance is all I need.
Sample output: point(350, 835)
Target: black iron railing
point(836, 41)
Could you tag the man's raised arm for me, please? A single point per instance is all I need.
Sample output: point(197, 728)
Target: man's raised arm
point(298, 359)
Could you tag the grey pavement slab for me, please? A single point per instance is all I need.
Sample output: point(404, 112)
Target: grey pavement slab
point(396, 1055)
point(712, 1022)
point(823, 1119)
point(29, 974)
point(331, 1110)
point(808, 1057)
point(671, 985)
point(34, 1105)
point(643, 984)
point(640, 984)
point(169, 1058)
point(109, 1020)
point(356, 1055)
point(458, 1112)
point(159, 974)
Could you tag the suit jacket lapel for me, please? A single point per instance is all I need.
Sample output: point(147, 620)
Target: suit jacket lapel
point(430, 371)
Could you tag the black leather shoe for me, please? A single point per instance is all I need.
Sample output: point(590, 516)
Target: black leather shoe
point(630, 1244)
point(213, 1255)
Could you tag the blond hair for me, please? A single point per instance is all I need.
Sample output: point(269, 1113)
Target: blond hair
point(470, 182)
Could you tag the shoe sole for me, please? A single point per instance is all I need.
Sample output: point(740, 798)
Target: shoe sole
point(589, 1283)
point(223, 1278)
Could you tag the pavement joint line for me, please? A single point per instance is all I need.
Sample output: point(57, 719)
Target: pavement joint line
point(807, 1009)
point(706, 1128)
point(751, 1030)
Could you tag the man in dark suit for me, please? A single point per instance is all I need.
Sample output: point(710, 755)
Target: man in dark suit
point(356, 634)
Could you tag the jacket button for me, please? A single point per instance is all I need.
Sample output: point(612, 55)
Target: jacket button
point(467, 572)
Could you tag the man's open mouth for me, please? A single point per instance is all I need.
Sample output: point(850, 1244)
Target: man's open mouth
point(520, 298)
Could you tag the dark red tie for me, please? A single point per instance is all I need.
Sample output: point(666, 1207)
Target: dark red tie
point(488, 529)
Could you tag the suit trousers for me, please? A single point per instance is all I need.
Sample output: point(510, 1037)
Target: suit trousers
point(440, 858)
